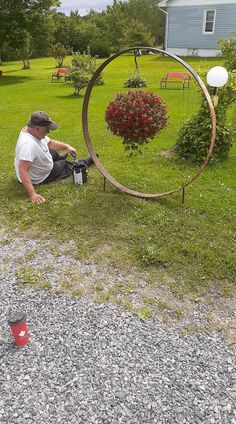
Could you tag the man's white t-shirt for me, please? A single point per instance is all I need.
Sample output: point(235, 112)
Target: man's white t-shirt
point(36, 151)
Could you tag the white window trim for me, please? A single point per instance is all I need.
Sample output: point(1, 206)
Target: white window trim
point(204, 21)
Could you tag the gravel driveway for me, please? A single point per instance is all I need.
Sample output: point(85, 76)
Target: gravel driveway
point(89, 363)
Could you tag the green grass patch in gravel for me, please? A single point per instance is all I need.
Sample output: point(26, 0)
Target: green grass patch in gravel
point(27, 275)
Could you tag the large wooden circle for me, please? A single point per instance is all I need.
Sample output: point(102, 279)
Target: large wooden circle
point(92, 151)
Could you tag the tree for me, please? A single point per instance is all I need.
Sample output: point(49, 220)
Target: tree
point(59, 52)
point(147, 12)
point(17, 22)
point(42, 30)
point(138, 35)
point(228, 51)
point(66, 29)
point(25, 49)
point(100, 44)
point(116, 24)
point(85, 33)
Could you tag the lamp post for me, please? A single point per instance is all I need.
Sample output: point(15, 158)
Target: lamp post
point(217, 77)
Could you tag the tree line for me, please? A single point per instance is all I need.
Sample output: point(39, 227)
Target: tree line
point(32, 28)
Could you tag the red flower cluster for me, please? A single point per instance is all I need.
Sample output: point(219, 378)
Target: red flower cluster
point(136, 116)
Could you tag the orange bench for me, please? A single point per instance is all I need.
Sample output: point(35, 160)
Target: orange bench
point(62, 73)
point(176, 77)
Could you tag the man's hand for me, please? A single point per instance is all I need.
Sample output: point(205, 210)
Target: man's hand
point(58, 145)
point(37, 198)
point(71, 150)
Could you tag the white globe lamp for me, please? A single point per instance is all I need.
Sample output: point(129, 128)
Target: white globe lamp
point(217, 77)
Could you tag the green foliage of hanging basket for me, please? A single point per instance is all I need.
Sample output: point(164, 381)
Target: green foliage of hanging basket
point(135, 82)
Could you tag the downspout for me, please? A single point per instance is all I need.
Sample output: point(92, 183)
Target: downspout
point(166, 28)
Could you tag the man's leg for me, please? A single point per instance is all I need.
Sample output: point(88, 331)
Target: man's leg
point(61, 169)
point(57, 156)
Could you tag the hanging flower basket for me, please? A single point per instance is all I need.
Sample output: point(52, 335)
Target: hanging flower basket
point(135, 82)
point(136, 116)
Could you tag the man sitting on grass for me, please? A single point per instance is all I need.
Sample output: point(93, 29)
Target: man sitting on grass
point(37, 160)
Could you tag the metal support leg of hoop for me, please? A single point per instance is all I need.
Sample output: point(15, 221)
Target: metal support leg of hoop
point(183, 195)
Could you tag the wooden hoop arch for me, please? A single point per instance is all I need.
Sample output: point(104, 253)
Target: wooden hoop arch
point(92, 151)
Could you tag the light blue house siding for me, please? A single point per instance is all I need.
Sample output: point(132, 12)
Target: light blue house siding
point(185, 28)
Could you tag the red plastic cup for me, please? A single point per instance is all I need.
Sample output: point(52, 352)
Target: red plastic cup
point(19, 328)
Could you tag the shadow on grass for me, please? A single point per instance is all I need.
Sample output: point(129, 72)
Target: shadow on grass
point(10, 71)
point(10, 80)
point(71, 96)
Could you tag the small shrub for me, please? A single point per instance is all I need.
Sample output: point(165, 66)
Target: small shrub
point(83, 67)
point(85, 62)
point(228, 49)
point(78, 79)
point(194, 137)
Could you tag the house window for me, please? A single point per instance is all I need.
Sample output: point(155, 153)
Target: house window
point(209, 21)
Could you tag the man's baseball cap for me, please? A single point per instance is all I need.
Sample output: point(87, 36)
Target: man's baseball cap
point(41, 119)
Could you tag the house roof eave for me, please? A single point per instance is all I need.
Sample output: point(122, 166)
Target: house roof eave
point(166, 3)
point(163, 3)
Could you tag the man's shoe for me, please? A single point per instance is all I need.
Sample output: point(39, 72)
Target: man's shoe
point(89, 161)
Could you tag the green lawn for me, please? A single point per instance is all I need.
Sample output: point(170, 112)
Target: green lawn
point(191, 246)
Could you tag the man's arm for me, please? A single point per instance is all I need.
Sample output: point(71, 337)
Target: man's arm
point(58, 145)
point(24, 167)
